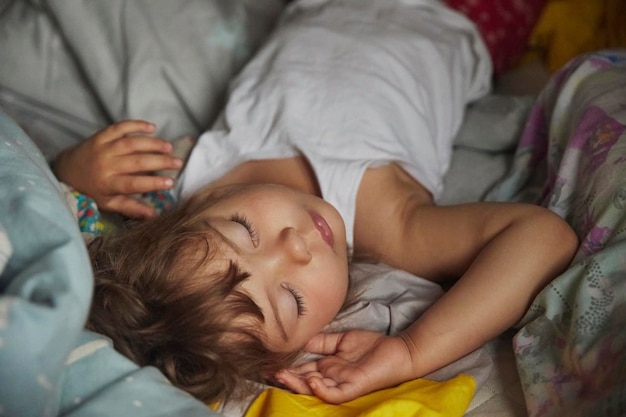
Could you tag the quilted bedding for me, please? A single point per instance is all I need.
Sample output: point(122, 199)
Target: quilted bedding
point(571, 350)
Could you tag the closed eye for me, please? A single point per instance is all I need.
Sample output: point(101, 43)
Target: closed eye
point(243, 220)
point(301, 308)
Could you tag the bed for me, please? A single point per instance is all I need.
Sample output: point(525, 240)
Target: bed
point(68, 70)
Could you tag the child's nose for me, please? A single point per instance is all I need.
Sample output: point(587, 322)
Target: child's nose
point(294, 246)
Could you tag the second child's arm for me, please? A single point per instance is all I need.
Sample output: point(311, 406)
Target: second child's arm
point(117, 162)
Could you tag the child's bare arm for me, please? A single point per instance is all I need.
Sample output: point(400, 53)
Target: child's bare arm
point(504, 254)
point(115, 163)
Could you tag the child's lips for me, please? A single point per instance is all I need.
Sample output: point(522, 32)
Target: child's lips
point(322, 226)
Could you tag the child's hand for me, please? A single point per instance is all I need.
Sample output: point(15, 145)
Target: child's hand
point(115, 163)
point(361, 362)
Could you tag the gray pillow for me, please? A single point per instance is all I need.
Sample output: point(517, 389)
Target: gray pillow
point(494, 122)
point(70, 68)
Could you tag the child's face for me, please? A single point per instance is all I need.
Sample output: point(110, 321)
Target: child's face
point(293, 245)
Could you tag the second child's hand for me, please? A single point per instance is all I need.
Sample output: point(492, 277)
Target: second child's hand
point(116, 163)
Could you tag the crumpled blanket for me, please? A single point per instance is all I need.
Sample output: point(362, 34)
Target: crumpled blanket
point(571, 350)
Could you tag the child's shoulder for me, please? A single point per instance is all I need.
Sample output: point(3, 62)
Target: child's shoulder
point(385, 195)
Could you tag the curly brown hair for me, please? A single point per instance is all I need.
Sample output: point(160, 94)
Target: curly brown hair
point(161, 306)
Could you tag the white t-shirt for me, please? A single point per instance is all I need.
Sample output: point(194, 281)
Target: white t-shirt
point(350, 84)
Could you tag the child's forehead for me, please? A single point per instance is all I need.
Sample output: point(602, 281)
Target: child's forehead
point(209, 248)
point(225, 258)
point(221, 245)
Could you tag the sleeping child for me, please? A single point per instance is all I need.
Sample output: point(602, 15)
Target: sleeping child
point(331, 148)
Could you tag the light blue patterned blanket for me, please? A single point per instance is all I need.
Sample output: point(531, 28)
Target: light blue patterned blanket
point(49, 365)
point(571, 349)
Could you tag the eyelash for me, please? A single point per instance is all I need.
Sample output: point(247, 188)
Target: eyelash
point(243, 220)
point(299, 301)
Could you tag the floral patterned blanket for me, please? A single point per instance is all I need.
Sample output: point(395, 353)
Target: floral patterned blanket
point(571, 158)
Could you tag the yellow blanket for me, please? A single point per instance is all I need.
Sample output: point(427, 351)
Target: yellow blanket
point(420, 397)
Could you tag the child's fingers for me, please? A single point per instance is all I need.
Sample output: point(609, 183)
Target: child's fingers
point(294, 382)
point(123, 128)
point(303, 369)
point(130, 207)
point(331, 392)
point(339, 369)
point(330, 383)
point(134, 144)
point(137, 163)
point(324, 343)
point(135, 184)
